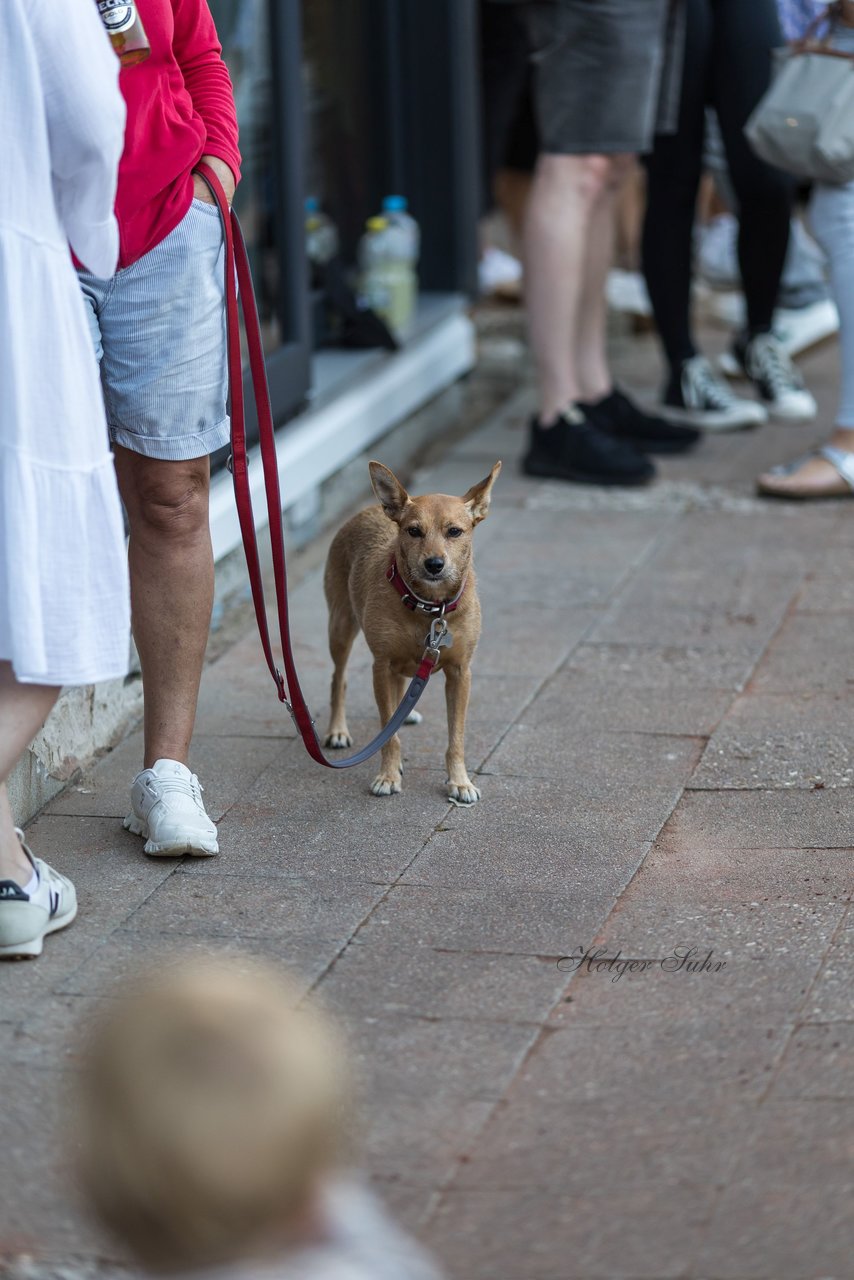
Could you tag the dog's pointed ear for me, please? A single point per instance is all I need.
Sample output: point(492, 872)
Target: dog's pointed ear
point(391, 493)
point(477, 498)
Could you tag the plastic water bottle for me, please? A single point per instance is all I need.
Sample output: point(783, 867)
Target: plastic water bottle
point(321, 234)
point(395, 209)
point(386, 280)
point(407, 246)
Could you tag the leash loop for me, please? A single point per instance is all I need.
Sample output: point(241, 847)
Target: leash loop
point(238, 276)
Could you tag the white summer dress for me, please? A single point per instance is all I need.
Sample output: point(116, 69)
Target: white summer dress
point(64, 613)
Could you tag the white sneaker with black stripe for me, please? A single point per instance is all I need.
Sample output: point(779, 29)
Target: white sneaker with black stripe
point(779, 383)
point(169, 812)
point(702, 399)
point(25, 918)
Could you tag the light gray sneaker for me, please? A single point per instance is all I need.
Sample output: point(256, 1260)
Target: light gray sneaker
point(25, 918)
point(169, 812)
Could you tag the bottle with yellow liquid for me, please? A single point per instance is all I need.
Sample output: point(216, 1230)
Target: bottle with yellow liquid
point(124, 27)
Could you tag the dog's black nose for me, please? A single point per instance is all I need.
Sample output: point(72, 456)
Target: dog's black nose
point(434, 565)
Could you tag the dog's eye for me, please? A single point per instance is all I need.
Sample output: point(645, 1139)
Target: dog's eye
point(454, 532)
point(414, 531)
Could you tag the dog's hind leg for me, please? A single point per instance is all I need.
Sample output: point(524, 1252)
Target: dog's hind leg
point(343, 629)
point(461, 789)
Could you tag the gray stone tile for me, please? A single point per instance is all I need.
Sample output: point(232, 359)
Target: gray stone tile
point(615, 705)
point(676, 668)
point(631, 1138)
point(684, 873)
point(636, 760)
point(642, 1233)
point(533, 641)
point(765, 819)
point(830, 998)
point(126, 953)
point(256, 907)
point(591, 810)
point(38, 1213)
point(543, 857)
point(508, 921)
point(819, 1062)
point(810, 654)
point(385, 981)
point(226, 767)
point(770, 954)
point(786, 1210)
point(782, 741)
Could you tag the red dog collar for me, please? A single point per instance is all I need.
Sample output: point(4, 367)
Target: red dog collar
point(414, 602)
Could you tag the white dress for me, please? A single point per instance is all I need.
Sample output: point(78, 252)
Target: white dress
point(64, 614)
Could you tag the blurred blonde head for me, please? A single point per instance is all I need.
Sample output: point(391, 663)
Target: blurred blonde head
point(211, 1106)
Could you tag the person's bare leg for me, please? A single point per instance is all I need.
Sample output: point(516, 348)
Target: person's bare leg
point(564, 197)
point(172, 582)
point(512, 192)
point(591, 359)
point(23, 711)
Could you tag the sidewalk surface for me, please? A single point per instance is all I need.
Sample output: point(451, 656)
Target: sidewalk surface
point(662, 727)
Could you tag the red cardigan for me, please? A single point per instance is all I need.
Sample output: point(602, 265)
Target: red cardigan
point(180, 106)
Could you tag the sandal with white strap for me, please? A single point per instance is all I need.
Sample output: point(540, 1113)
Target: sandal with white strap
point(781, 482)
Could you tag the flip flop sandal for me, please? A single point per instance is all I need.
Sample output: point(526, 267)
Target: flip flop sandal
point(842, 463)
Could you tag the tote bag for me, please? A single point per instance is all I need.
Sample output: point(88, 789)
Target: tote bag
point(805, 122)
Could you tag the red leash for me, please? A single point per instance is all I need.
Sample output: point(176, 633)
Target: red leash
point(287, 686)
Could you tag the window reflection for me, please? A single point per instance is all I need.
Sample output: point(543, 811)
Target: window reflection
point(244, 31)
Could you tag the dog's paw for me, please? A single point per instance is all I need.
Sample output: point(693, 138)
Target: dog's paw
point(383, 785)
point(463, 795)
point(414, 717)
point(337, 741)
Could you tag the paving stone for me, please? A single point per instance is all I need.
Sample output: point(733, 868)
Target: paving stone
point(645, 1233)
point(770, 954)
point(508, 921)
point(125, 953)
point(382, 981)
point(827, 589)
point(830, 998)
point(613, 705)
point(501, 855)
point(675, 667)
point(638, 760)
point(819, 1062)
point(685, 873)
point(226, 767)
point(38, 1215)
point(659, 1140)
point(808, 655)
point(781, 741)
point(786, 1210)
point(765, 819)
point(533, 641)
point(590, 810)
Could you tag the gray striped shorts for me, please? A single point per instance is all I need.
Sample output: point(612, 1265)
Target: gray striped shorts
point(159, 332)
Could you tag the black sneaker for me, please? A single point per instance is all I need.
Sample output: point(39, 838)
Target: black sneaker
point(621, 417)
point(575, 448)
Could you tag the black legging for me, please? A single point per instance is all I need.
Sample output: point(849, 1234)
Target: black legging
point(728, 65)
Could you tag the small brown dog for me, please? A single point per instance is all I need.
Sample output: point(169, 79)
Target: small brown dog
point(387, 569)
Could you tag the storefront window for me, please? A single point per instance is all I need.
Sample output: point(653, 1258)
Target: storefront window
point(244, 30)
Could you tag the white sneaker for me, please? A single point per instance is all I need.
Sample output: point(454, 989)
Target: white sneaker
point(798, 328)
point(627, 291)
point(25, 918)
point(778, 382)
point(705, 400)
point(169, 811)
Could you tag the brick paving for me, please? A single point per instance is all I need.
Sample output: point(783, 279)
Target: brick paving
point(662, 726)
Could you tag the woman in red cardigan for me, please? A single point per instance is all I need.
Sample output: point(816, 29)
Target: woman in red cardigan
point(159, 332)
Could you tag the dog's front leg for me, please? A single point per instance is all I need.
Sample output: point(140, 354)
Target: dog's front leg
point(388, 780)
point(457, 690)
